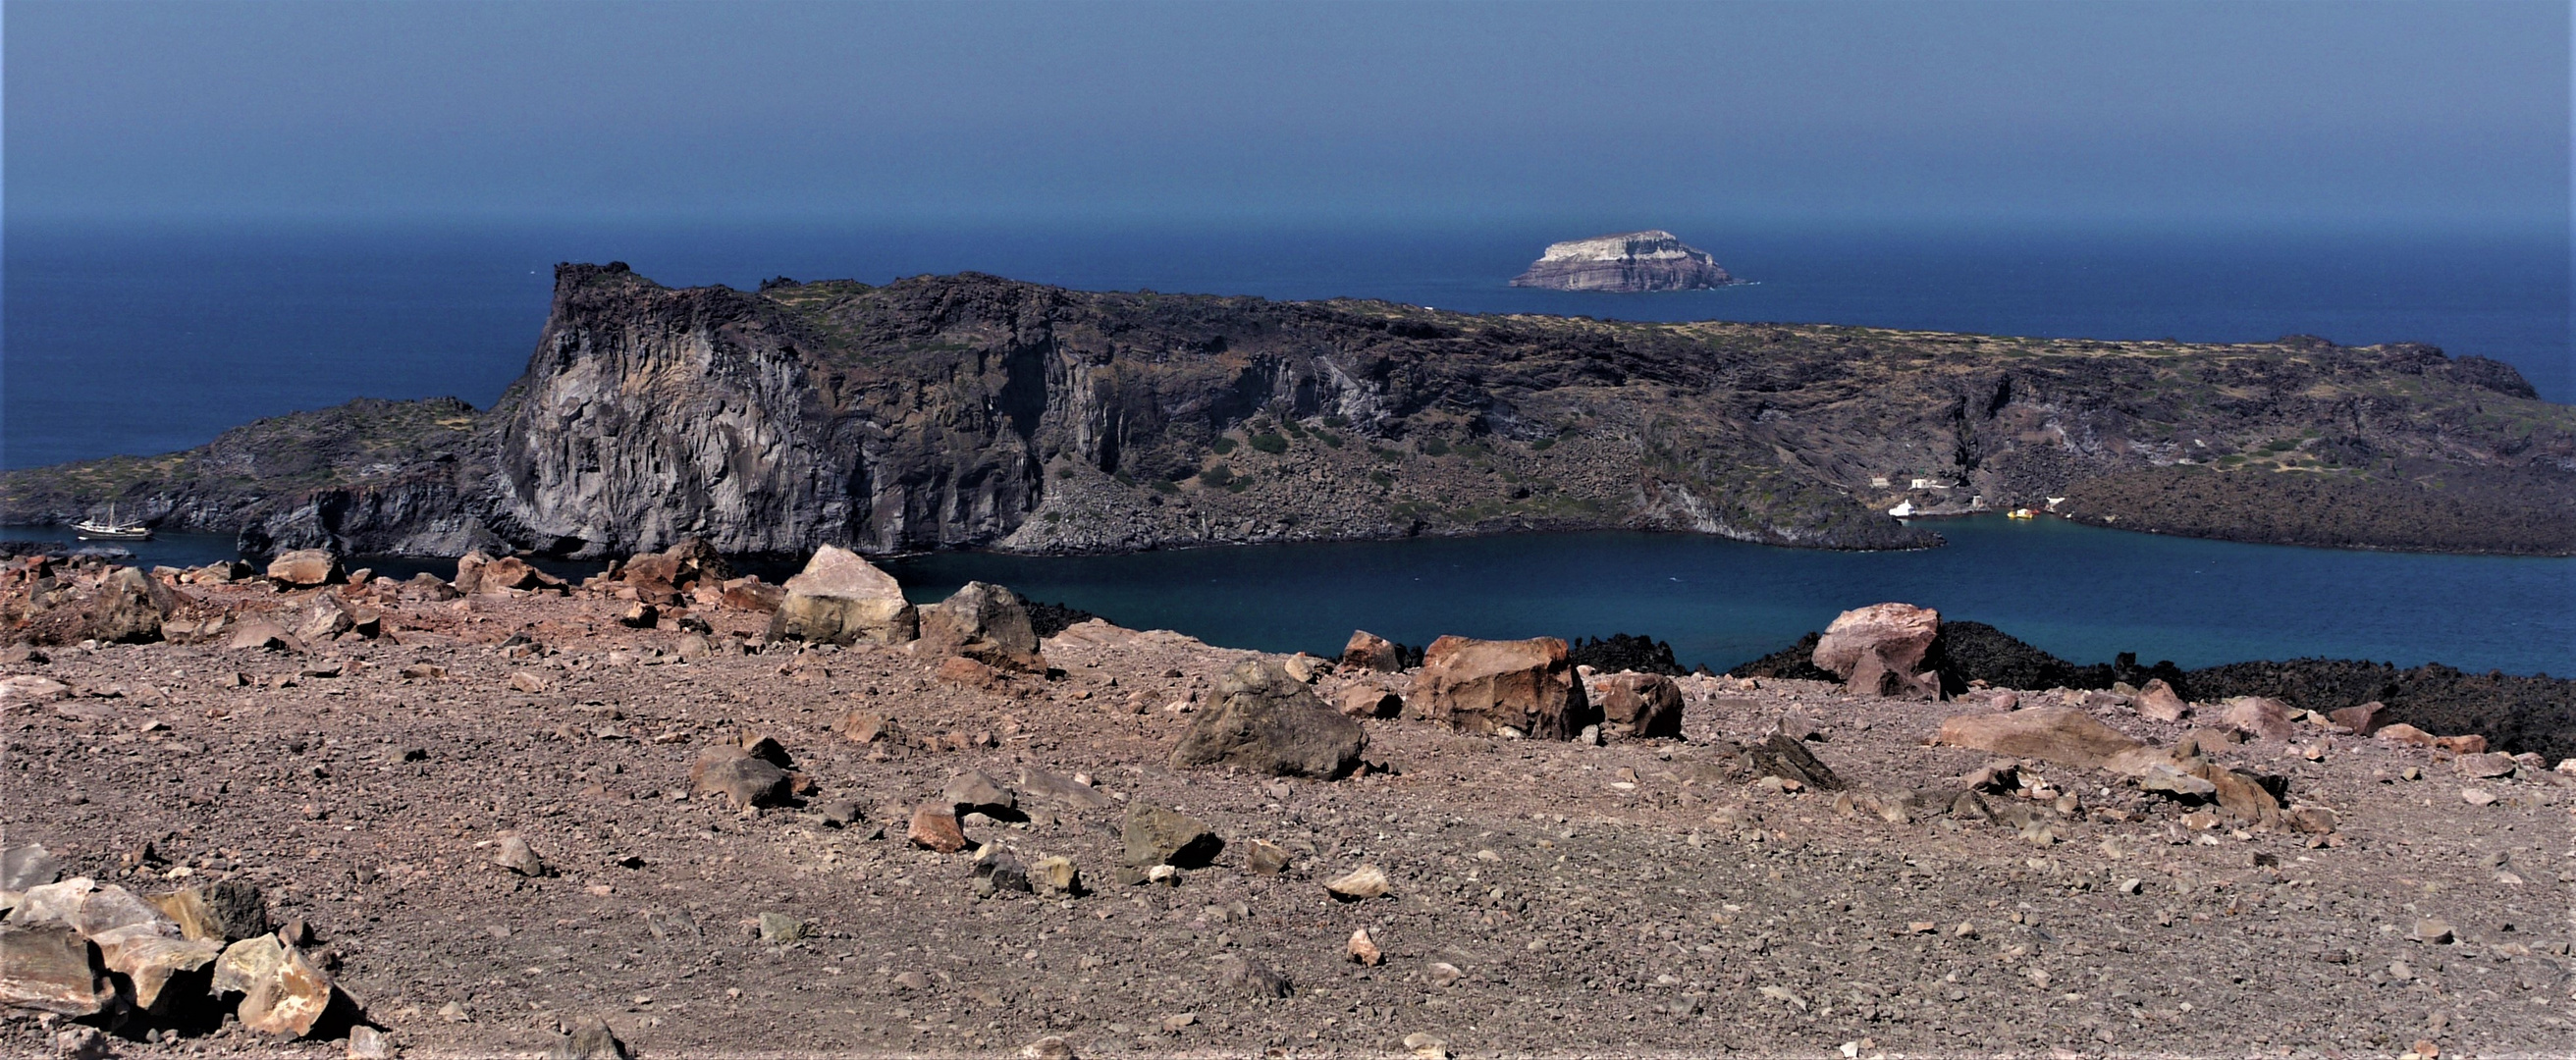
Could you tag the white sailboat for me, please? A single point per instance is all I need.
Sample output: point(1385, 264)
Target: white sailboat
point(110, 530)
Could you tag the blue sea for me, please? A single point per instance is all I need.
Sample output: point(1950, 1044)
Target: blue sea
point(147, 339)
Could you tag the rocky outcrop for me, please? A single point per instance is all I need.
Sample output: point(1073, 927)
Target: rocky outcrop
point(973, 411)
point(1653, 260)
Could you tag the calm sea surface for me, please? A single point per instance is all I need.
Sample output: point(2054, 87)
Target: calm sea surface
point(149, 340)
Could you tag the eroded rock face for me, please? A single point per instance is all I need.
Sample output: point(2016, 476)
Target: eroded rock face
point(1653, 260)
point(1268, 722)
point(983, 622)
point(1488, 686)
point(1878, 649)
point(842, 599)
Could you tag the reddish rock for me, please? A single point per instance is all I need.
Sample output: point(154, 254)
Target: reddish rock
point(2260, 717)
point(2360, 719)
point(2401, 732)
point(50, 968)
point(968, 672)
point(1876, 649)
point(1486, 686)
point(2159, 701)
point(752, 594)
point(2461, 745)
point(1646, 706)
point(935, 827)
point(1368, 701)
point(1368, 651)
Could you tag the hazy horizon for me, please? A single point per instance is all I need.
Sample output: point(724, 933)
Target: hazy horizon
point(1588, 118)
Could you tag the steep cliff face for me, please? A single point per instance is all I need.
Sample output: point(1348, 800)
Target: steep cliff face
point(1653, 260)
point(973, 411)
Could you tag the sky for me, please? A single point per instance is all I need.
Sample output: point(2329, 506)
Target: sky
point(2438, 114)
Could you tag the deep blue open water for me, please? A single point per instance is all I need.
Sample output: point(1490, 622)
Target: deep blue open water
point(144, 340)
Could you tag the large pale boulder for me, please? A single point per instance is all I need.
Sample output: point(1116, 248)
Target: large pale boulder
point(1487, 686)
point(2261, 717)
point(1270, 723)
point(129, 606)
point(1878, 649)
point(983, 622)
point(304, 568)
point(1647, 706)
point(1368, 651)
point(842, 599)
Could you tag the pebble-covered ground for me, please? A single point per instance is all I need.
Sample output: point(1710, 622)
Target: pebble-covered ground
point(1547, 898)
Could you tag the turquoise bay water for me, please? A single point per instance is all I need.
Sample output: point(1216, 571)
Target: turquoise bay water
point(2079, 592)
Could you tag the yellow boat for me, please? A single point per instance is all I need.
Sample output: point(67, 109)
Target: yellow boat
point(2020, 513)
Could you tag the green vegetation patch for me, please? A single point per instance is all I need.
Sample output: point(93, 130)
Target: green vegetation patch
point(1270, 443)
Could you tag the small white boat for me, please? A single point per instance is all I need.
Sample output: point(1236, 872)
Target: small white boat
point(110, 530)
point(1902, 509)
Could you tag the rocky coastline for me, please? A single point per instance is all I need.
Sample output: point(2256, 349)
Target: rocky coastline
point(975, 412)
point(670, 809)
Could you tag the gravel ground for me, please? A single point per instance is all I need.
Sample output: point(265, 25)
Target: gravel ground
point(1547, 898)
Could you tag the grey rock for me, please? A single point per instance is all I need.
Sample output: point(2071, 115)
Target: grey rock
point(1153, 835)
point(1252, 977)
point(514, 853)
point(976, 790)
point(1269, 723)
point(1063, 789)
point(589, 1039)
point(986, 623)
point(28, 865)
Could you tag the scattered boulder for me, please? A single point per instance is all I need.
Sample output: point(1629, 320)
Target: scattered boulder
point(2159, 701)
point(2360, 719)
point(2261, 717)
point(589, 1038)
point(751, 594)
point(1643, 706)
point(49, 967)
point(2058, 734)
point(28, 864)
point(1055, 876)
point(1874, 650)
point(1360, 884)
point(282, 992)
point(1249, 976)
point(660, 578)
point(1523, 687)
point(983, 622)
point(2486, 764)
point(2468, 744)
point(225, 911)
point(129, 607)
point(1266, 858)
point(1063, 789)
point(512, 852)
point(842, 599)
point(740, 775)
point(163, 968)
point(480, 574)
point(976, 791)
point(1363, 949)
point(2401, 732)
point(260, 634)
point(1153, 835)
point(1787, 758)
point(305, 568)
point(1368, 651)
point(1267, 721)
point(934, 827)
point(1368, 701)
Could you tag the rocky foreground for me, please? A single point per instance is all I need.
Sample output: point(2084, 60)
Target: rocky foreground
point(668, 812)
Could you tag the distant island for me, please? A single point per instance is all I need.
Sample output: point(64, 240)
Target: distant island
point(1653, 260)
point(972, 411)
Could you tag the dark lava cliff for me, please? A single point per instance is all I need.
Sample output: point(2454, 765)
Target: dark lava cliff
point(975, 411)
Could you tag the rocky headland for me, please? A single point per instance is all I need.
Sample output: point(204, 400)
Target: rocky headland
point(1630, 262)
point(973, 411)
point(668, 810)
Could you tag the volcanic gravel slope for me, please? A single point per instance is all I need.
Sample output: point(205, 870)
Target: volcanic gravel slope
point(1636, 898)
